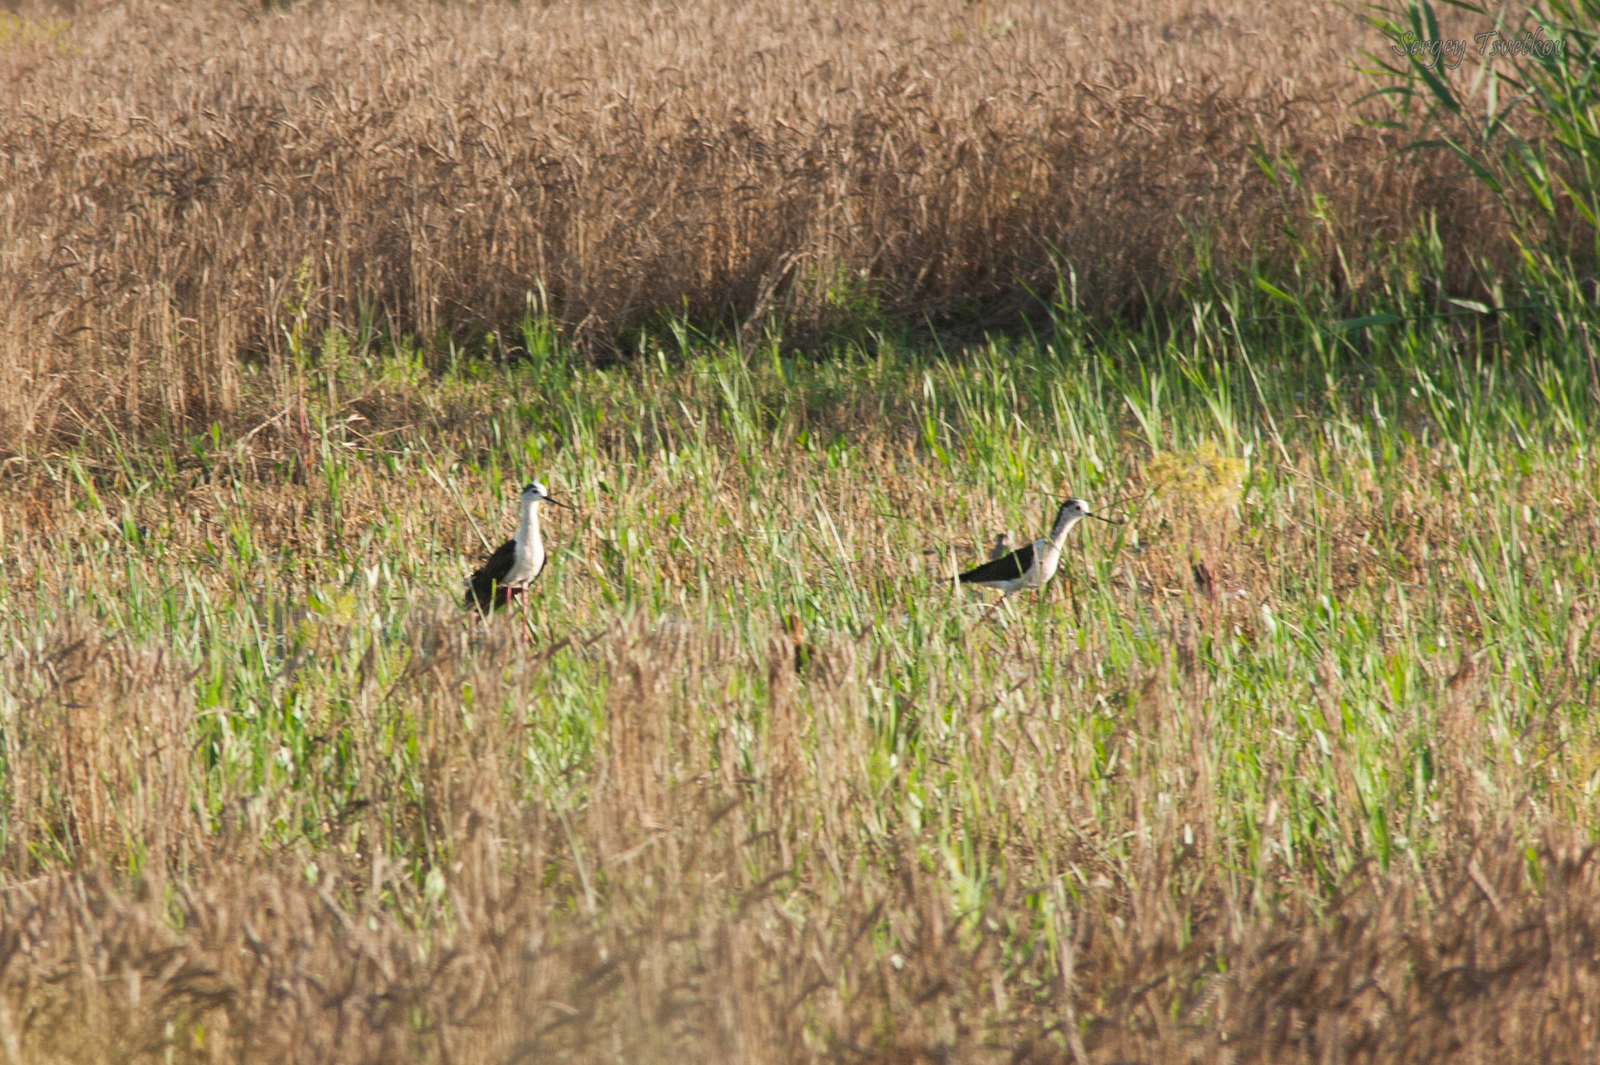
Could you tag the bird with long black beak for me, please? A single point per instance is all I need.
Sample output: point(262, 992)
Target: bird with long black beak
point(518, 561)
point(1031, 565)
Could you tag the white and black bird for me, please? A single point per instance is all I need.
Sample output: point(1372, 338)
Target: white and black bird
point(1031, 565)
point(519, 560)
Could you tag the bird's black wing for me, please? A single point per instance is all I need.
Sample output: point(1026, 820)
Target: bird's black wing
point(487, 590)
point(1005, 568)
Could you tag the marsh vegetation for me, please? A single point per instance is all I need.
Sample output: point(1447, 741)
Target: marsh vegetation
point(1298, 764)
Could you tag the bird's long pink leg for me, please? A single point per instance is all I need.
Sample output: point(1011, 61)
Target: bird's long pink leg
point(527, 622)
point(992, 609)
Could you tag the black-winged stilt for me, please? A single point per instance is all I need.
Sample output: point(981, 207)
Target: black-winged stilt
point(1031, 565)
point(519, 560)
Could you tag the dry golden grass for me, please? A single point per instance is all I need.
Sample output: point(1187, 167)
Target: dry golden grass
point(397, 835)
point(745, 915)
point(183, 186)
point(1297, 766)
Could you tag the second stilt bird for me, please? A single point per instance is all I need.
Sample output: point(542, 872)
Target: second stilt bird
point(1031, 565)
point(518, 561)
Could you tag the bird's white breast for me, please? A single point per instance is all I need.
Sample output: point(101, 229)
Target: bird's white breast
point(529, 561)
point(1046, 556)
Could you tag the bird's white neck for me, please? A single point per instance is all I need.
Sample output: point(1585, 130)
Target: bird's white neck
point(1064, 522)
point(528, 527)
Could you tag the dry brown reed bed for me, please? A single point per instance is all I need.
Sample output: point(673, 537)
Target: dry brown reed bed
point(184, 186)
point(744, 913)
